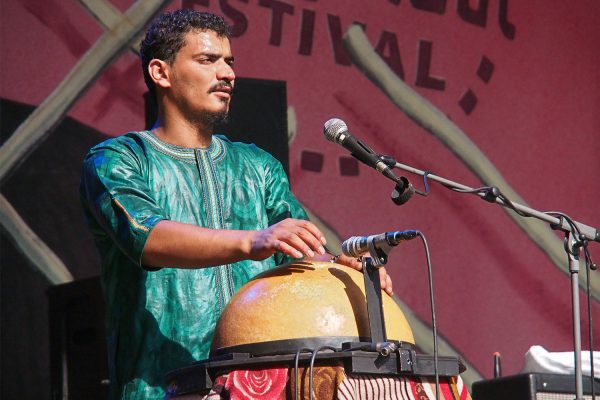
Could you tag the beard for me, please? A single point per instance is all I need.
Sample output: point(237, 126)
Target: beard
point(211, 120)
point(217, 119)
point(214, 119)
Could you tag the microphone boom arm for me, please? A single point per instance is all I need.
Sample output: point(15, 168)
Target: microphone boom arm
point(587, 231)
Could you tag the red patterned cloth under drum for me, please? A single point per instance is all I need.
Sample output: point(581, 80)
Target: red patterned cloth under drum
point(329, 383)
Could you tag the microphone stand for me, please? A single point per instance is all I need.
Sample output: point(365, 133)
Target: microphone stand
point(573, 242)
point(371, 267)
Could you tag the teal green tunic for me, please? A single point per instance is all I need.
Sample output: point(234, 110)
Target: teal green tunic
point(162, 319)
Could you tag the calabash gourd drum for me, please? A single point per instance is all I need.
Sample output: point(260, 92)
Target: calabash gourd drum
point(296, 304)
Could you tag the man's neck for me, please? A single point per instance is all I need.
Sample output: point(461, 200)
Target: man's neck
point(183, 133)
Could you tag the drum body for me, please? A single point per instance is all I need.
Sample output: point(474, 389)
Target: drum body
point(304, 300)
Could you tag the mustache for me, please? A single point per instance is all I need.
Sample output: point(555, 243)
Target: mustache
point(220, 86)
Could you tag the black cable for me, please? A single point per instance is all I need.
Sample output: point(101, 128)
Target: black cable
point(590, 330)
point(312, 363)
point(491, 193)
point(511, 205)
point(296, 362)
point(433, 320)
point(589, 265)
point(562, 216)
point(478, 190)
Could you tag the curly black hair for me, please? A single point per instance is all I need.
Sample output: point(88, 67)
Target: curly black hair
point(165, 36)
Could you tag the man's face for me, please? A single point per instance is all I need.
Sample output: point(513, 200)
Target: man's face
point(202, 77)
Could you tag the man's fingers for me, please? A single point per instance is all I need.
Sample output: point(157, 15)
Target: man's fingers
point(285, 248)
point(385, 281)
point(351, 262)
point(292, 237)
point(295, 240)
point(311, 240)
point(389, 289)
point(383, 277)
point(311, 237)
point(312, 228)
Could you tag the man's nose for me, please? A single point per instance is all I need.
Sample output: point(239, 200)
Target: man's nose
point(225, 72)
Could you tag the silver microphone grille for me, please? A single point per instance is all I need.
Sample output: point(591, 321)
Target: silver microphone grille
point(334, 128)
point(350, 246)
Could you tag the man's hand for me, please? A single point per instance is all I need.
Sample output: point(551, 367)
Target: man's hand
point(384, 278)
point(293, 237)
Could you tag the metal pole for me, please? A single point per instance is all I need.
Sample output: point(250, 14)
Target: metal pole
point(573, 251)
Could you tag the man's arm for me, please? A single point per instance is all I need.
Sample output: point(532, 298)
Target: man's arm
point(173, 243)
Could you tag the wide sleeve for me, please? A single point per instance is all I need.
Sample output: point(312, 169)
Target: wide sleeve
point(116, 196)
point(280, 201)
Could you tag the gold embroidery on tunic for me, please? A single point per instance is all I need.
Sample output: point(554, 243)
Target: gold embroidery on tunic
point(130, 219)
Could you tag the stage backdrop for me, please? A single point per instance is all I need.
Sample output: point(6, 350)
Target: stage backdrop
point(517, 86)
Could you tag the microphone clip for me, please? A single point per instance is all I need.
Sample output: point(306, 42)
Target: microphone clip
point(378, 254)
point(403, 191)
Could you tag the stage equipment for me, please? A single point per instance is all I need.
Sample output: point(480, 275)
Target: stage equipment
point(576, 233)
point(78, 368)
point(532, 387)
point(268, 100)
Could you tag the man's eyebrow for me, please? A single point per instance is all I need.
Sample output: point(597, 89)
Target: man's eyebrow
point(212, 54)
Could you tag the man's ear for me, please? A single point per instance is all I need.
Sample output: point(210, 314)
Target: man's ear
point(160, 73)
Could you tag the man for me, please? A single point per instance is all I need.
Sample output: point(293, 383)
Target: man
point(183, 218)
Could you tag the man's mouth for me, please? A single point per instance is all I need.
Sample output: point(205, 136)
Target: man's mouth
point(222, 88)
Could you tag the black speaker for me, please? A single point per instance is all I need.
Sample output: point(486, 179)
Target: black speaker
point(78, 357)
point(532, 387)
point(258, 114)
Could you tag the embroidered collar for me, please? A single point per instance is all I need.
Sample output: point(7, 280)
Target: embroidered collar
point(216, 150)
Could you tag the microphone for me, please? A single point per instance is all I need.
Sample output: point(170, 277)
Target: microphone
point(357, 245)
point(336, 131)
